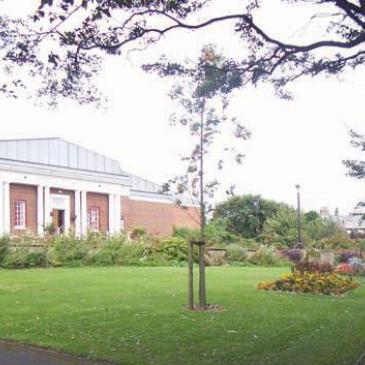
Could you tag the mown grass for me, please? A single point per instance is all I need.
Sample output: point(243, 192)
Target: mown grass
point(135, 316)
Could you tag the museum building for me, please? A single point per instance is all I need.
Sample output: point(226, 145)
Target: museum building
point(55, 185)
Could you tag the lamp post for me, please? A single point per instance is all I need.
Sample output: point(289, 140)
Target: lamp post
point(300, 243)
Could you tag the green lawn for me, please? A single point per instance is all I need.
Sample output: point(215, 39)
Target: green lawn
point(135, 316)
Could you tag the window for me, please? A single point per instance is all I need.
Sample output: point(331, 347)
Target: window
point(93, 218)
point(19, 212)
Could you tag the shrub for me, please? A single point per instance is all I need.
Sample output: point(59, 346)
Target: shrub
point(345, 256)
point(236, 253)
point(137, 233)
point(117, 252)
point(293, 255)
point(314, 283)
point(313, 267)
point(340, 240)
point(172, 249)
point(4, 247)
point(37, 259)
point(267, 257)
point(21, 258)
point(344, 269)
point(67, 251)
point(186, 233)
point(360, 245)
point(15, 259)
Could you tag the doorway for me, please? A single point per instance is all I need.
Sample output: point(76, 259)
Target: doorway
point(61, 213)
point(58, 220)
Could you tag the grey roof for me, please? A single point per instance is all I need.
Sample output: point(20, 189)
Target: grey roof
point(140, 184)
point(60, 153)
point(57, 152)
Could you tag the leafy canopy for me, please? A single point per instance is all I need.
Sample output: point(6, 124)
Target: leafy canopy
point(62, 43)
point(246, 215)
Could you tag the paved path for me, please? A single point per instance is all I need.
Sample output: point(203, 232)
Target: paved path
point(15, 354)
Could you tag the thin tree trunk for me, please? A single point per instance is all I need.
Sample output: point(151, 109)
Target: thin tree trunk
point(191, 276)
point(202, 289)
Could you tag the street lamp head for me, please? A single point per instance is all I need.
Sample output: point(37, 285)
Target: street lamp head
point(297, 186)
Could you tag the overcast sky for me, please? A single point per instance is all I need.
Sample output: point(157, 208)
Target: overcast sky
point(302, 141)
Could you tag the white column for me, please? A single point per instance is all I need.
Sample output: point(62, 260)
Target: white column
point(117, 214)
point(40, 210)
point(83, 213)
point(47, 207)
point(77, 213)
point(111, 214)
point(6, 210)
point(67, 217)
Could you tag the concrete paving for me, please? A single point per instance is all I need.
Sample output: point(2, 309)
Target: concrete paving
point(16, 354)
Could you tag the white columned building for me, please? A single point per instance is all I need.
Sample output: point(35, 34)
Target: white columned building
point(40, 209)
point(83, 213)
point(54, 186)
point(47, 208)
point(2, 208)
point(77, 213)
point(117, 213)
point(111, 203)
point(6, 210)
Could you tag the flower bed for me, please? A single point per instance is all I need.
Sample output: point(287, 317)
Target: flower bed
point(311, 282)
point(344, 269)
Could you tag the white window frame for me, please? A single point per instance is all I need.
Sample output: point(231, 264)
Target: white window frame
point(20, 213)
point(93, 221)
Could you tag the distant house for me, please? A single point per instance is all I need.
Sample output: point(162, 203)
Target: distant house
point(54, 183)
point(353, 223)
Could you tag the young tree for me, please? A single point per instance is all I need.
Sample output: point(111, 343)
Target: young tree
point(202, 97)
point(64, 41)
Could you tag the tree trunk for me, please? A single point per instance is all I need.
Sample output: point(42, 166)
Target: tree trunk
point(191, 276)
point(202, 288)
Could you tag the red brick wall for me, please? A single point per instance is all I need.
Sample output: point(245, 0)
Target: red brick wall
point(71, 194)
point(156, 218)
point(186, 217)
point(28, 193)
point(100, 201)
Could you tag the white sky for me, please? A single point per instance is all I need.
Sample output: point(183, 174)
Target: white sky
point(301, 141)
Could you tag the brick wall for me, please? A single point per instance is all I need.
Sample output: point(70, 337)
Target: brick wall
point(100, 201)
point(27, 193)
point(186, 217)
point(156, 218)
point(71, 194)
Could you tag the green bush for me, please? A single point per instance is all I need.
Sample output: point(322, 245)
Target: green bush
point(15, 259)
point(37, 259)
point(186, 233)
point(340, 240)
point(173, 249)
point(22, 258)
point(118, 251)
point(4, 247)
point(236, 253)
point(265, 256)
point(216, 234)
point(138, 232)
point(98, 249)
point(67, 251)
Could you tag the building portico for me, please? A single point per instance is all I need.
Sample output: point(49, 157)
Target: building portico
point(54, 201)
